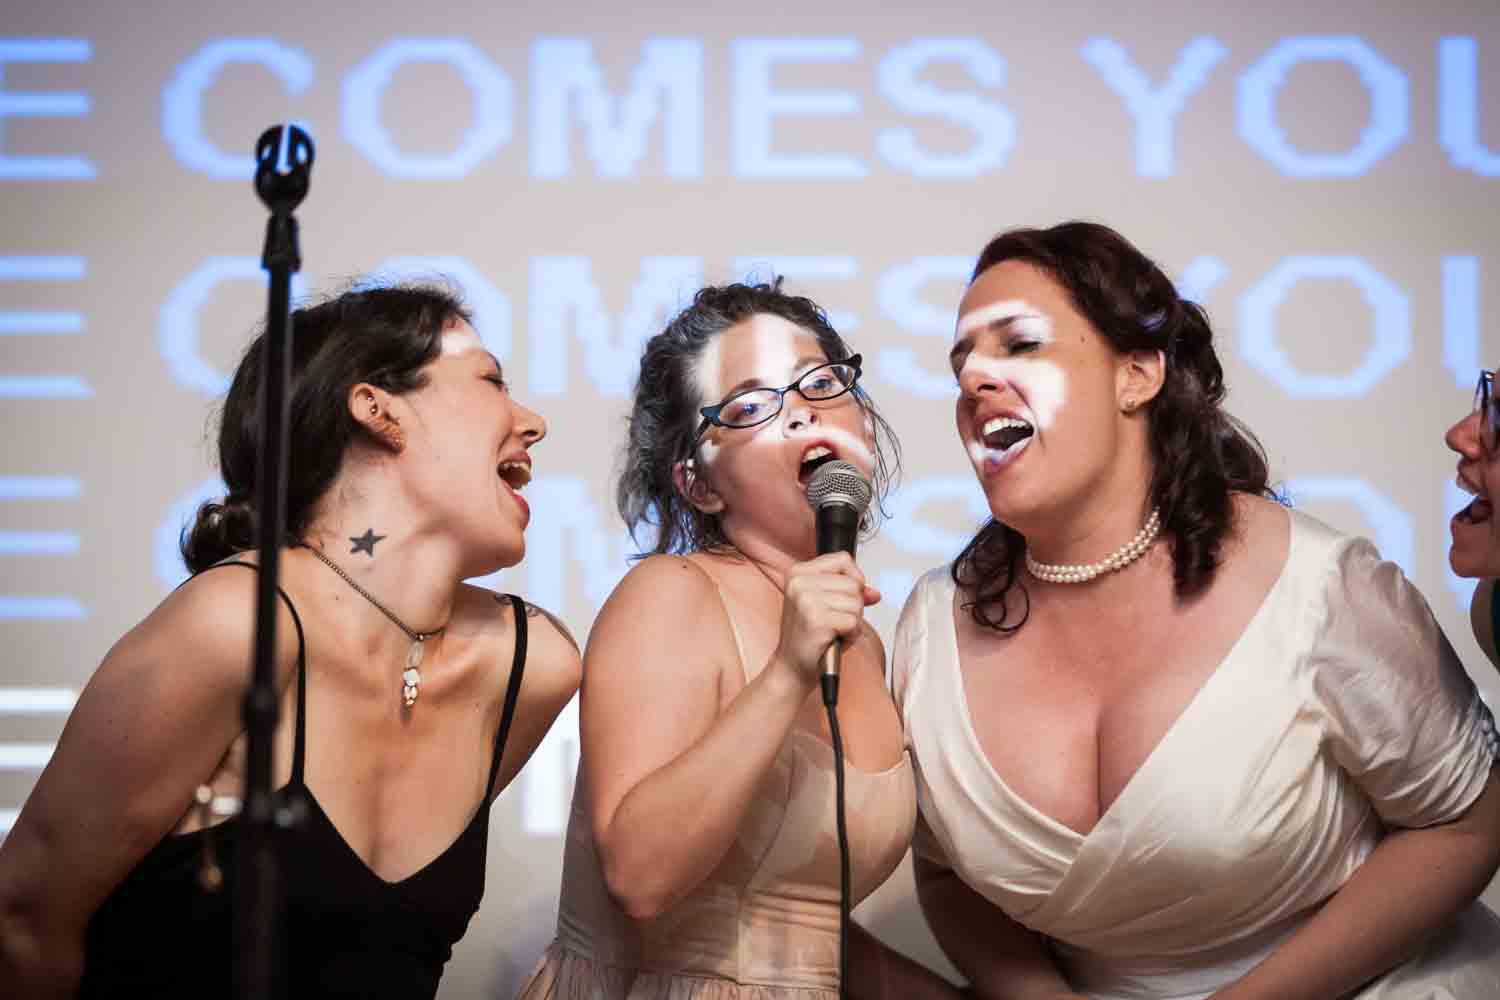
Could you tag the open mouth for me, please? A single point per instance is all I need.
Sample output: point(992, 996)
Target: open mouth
point(515, 474)
point(813, 459)
point(1478, 511)
point(1002, 433)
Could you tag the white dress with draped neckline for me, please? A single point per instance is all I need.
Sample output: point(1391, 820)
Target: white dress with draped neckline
point(1340, 711)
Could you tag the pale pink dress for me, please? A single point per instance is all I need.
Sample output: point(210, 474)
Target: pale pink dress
point(764, 924)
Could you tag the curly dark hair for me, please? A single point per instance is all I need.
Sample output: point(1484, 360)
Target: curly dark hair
point(383, 336)
point(664, 416)
point(1200, 455)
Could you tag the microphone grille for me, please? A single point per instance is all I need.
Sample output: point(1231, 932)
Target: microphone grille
point(839, 482)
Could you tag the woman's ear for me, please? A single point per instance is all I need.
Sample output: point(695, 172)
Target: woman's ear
point(695, 488)
point(1139, 378)
point(371, 409)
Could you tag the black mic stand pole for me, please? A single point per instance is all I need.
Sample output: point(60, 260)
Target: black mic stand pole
point(283, 163)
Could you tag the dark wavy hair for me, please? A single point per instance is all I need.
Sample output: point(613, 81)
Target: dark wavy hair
point(1200, 455)
point(383, 336)
point(665, 415)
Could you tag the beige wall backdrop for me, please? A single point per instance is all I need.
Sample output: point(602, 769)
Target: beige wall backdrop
point(1322, 177)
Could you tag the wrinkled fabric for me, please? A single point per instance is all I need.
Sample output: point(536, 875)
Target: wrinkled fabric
point(1341, 710)
point(764, 925)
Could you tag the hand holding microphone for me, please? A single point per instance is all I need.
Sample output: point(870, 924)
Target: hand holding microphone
point(825, 597)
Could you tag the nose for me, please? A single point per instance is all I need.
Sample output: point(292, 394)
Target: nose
point(797, 412)
point(530, 424)
point(1463, 437)
point(974, 382)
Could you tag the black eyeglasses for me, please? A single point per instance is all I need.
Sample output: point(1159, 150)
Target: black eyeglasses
point(1489, 413)
point(755, 406)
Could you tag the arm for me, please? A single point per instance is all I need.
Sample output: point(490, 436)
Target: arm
point(549, 683)
point(152, 724)
point(1002, 959)
point(669, 776)
point(1408, 887)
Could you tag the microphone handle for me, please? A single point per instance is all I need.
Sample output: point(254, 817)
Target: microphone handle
point(831, 657)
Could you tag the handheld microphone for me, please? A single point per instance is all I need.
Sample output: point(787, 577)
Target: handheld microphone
point(839, 495)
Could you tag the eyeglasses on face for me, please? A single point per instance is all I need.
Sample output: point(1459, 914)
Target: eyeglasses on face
point(755, 406)
point(1488, 409)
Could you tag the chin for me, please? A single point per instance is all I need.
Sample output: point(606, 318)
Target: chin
point(1471, 565)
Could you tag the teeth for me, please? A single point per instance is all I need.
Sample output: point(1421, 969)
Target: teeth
point(999, 424)
point(515, 474)
point(815, 453)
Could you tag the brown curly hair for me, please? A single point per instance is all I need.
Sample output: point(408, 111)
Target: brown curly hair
point(1200, 455)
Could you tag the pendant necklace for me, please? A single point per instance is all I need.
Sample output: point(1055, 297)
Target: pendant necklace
point(411, 677)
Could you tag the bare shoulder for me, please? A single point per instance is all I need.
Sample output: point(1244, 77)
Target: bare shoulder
point(212, 618)
point(664, 604)
point(552, 658)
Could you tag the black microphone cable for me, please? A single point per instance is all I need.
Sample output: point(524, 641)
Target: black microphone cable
point(839, 495)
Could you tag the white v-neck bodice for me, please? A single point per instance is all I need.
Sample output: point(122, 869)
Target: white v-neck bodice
point(1341, 708)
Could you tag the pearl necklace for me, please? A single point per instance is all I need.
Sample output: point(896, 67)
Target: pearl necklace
point(1118, 559)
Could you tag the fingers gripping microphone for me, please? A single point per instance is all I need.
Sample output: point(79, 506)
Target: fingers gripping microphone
point(839, 495)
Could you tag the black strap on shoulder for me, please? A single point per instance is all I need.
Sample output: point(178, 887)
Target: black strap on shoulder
point(512, 691)
point(300, 743)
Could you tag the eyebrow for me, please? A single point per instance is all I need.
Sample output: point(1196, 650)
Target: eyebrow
point(809, 361)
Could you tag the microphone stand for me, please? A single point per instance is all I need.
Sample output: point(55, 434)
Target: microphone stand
point(284, 157)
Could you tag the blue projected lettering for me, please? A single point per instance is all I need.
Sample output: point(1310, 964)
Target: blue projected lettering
point(40, 608)
point(916, 537)
point(1462, 352)
point(797, 269)
point(898, 295)
point(17, 104)
point(668, 81)
point(994, 127)
point(1458, 107)
point(177, 325)
point(1390, 526)
point(1392, 327)
point(182, 99)
point(166, 555)
point(40, 488)
point(756, 106)
point(1201, 277)
point(16, 323)
point(493, 115)
point(1154, 111)
point(565, 299)
point(569, 532)
point(490, 306)
point(1385, 130)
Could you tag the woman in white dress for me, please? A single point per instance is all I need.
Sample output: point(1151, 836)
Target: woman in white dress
point(1172, 739)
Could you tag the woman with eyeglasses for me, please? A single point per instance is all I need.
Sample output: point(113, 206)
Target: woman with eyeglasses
point(701, 857)
point(1476, 531)
point(1174, 740)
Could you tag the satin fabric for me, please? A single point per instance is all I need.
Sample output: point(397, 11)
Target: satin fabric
point(1341, 711)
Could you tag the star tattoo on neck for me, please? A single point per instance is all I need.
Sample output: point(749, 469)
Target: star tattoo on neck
point(366, 543)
